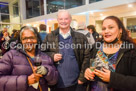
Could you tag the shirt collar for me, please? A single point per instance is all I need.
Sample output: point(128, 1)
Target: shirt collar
point(66, 34)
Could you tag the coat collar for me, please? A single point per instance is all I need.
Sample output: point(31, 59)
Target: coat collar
point(56, 32)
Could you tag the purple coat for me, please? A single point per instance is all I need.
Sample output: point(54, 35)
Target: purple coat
point(15, 69)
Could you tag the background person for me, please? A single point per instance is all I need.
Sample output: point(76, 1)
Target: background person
point(115, 66)
point(1, 35)
point(92, 30)
point(13, 32)
point(17, 70)
point(68, 61)
point(42, 33)
point(4, 40)
point(82, 29)
point(4, 30)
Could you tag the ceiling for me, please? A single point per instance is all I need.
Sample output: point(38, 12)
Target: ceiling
point(5, 0)
point(106, 11)
point(118, 9)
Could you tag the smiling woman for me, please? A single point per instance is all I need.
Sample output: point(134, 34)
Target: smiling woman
point(17, 69)
point(29, 40)
point(114, 63)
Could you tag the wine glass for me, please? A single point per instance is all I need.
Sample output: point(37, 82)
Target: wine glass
point(93, 66)
point(61, 55)
point(37, 61)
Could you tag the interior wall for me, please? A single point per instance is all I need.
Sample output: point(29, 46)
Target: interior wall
point(98, 26)
point(92, 20)
point(131, 21)
point(79, 18)
point(14, 21)
point(12, 18)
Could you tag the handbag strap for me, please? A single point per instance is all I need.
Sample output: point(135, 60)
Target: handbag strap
point(33, 71)
point(31, 64)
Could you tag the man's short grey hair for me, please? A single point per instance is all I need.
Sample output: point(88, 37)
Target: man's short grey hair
point(63, 10)
point(27, 28)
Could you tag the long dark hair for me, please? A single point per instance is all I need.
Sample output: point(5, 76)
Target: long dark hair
point(125, 36)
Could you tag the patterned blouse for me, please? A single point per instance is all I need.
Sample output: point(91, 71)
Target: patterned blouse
point(103, 61)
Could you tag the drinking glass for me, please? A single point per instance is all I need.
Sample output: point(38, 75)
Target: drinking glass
point(93, 65)
point(59, 60)
point(37, 61)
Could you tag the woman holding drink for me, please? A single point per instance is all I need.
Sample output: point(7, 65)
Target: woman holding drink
point(26, 68)
point(113, 59)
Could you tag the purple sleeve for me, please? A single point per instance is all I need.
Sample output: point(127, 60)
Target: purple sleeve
point(9, 82)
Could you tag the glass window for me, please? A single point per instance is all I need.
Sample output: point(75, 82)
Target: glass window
point(34, 8)
point(4, 9)
point(36, 12)
point(55, 5)
point(15, 9)
point(73, 3)
point(5, 18)
point(4, 12)
point(36, 4)
point(92, 1)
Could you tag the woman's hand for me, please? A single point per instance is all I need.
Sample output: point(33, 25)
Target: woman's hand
point(41, 70)
point(33, 78)
point(104, 75)
point(89, 74)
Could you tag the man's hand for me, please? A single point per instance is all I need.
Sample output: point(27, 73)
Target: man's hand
point(57, 57)
point(80, 82)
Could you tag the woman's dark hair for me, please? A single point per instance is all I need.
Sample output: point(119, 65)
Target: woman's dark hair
point(124, 36)
point(33, 30)
point(91, 27)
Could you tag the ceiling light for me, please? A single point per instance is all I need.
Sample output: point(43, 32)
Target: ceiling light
point(28, 24)
point(101, 14)
point(35, 25)
point(130, 5)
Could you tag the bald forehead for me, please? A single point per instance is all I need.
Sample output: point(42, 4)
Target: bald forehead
point(63, 12)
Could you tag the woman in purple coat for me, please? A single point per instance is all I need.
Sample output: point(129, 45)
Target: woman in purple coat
point(17, 70)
